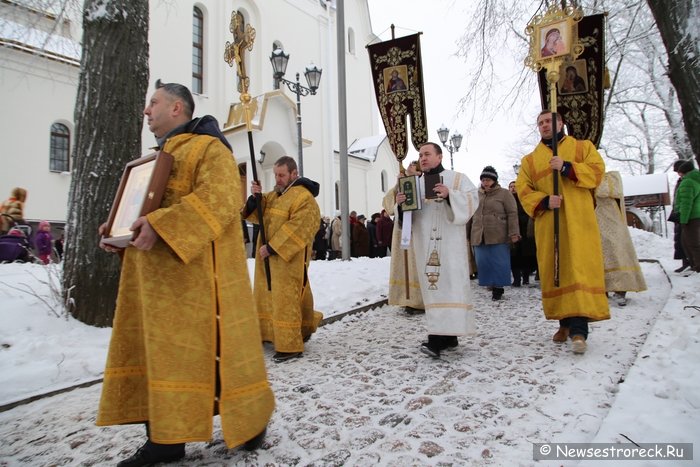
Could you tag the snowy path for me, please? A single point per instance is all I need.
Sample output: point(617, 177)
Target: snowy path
point(364, 395)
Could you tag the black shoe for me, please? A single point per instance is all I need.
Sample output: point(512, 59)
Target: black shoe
point(473, 276)
point(516, 284)
point(526, 282)
point(682, 268)
point(306, 339)
point(153, 453)
point(497, 293)
point(284, 356)
point(413, 311)
point(429, 350)
point(255, 443)
point(451, 342)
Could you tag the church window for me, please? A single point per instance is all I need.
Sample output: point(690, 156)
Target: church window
point(197, 51)
point(59, 157)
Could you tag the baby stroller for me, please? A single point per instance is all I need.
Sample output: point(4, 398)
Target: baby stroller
point(15, 245)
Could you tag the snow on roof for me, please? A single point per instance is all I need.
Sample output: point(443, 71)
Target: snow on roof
point(366, 148)
point(30, 39)
point(645, 184)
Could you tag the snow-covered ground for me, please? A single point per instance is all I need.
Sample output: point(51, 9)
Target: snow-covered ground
point(364, 395)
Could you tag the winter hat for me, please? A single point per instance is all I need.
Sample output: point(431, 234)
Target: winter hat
point(361, 217)
point(489, 172)
point(685, 167)
point(16, 233)
point(43, 224)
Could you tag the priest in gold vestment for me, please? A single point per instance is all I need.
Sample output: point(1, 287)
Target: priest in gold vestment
point(580, 297)
point(291, 217)
point(185, 342)
point(622, 270)
point(404, 288)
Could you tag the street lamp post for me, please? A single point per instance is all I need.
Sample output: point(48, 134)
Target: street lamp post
point(455, 142)
point(279, 62)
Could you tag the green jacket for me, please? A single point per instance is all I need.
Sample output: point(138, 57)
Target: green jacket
point(687, 202)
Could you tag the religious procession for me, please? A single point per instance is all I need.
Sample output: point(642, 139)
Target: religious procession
point(217, 233)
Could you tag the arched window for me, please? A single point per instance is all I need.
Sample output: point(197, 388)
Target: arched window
point(351, 41)
point(197, 51)
point(59, 156)
point(384, 181)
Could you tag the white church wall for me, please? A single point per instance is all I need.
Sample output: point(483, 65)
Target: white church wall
point(41, 95)
point(35, 93)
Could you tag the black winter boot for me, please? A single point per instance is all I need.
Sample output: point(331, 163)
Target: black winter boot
point(152, 453)
point(497, 293)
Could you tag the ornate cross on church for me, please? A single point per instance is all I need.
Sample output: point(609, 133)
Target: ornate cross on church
point(243, 38)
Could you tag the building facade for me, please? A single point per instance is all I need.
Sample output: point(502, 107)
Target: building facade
point(39, 69)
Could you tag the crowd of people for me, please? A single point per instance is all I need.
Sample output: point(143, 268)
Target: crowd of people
point(370, 238)
point(189, 327)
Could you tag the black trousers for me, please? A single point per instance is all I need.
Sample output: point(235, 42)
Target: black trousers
point(578, 325)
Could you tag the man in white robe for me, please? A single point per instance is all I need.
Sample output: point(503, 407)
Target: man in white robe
point(441, 250)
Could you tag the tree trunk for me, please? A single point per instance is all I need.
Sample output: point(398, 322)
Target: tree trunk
point(108, 120)
point(676, 20)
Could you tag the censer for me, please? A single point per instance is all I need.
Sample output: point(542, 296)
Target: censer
point(432, 263)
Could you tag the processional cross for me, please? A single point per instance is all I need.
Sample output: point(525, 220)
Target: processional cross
point(243, 39)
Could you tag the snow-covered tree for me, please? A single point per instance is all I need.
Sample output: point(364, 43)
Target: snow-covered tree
point(679, 24)
point(643, 129)
point(108, 121)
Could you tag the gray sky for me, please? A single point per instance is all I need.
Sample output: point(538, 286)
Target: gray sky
point(499, 142)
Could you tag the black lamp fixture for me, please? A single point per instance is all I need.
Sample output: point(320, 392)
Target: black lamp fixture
point(455, 141)
point(279, 61)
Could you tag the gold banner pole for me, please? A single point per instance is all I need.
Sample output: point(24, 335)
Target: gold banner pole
point(553, 42)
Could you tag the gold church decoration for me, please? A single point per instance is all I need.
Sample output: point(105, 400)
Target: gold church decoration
point(554, 41)
point(243, 39)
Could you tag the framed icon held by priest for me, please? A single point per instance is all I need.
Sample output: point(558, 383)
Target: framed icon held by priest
point(140, 191)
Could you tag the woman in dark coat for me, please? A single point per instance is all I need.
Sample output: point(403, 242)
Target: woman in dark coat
point(523, 260)
point(494, 227)
point(360, 237)
point(320, 244)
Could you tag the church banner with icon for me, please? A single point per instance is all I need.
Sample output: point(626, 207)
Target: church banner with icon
point(580, 84)
point(398, 83)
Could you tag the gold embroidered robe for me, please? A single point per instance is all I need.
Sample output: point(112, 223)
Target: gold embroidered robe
point(622, 270)
point(286, 312)
point(399, 256)
point(581, 290)
point(161, 365)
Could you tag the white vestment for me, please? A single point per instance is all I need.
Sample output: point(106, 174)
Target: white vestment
point(449, 309)
point(622, 270)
